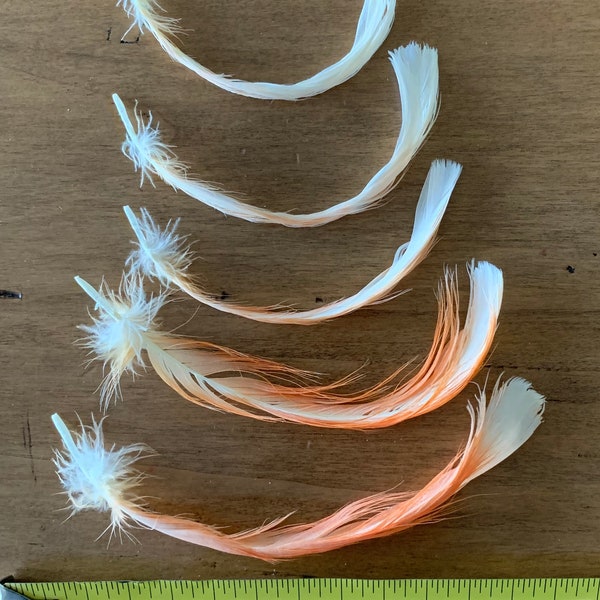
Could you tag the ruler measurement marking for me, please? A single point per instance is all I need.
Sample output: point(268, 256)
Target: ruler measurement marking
point(533, 588)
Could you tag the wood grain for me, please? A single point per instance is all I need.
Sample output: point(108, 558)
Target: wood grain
point(520, 110)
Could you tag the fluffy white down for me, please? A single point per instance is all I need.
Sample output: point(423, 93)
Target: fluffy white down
point(119, 333)
point(143, 145)
point(145, 14)
point(159, 253)
point(94, 477)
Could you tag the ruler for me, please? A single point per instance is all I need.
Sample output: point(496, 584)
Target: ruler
point(317, 589)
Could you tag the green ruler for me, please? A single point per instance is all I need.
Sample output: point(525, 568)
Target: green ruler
point(318, 589)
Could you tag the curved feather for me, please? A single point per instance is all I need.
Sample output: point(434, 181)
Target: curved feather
point(224, 380)
point(374, 24)
point(416, 69)
point(162, 254)
point(514, 413)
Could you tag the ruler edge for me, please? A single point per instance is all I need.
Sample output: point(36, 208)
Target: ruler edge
point(560, 582)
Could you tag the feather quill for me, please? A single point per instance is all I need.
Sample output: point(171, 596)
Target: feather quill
point(416, 69)
point(374, 24)
point(225, 380)
point(497, 430)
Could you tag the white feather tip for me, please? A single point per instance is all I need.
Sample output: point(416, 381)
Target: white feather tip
point(417, 70)
point(488, 283)
point(513, 414)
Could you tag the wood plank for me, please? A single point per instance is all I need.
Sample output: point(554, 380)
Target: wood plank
point(519, 110)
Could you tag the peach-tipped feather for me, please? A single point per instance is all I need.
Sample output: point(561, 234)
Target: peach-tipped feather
point(222, 379)
point(514, 412)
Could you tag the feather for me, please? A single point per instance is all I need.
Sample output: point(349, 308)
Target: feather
point(221, 379)
point(416, 68)
point(514, 412)
point(163, 255)
point(374, 24)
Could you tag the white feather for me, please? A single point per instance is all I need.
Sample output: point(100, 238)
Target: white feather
point(416, 68)
point(165, 256)
point(374, 24)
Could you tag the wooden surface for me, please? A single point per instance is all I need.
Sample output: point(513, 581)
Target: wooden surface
point(520, 91)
